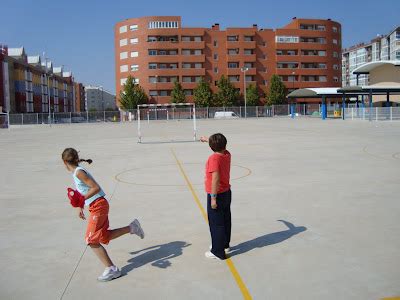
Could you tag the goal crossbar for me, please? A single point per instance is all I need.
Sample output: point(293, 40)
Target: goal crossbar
point(166, 106)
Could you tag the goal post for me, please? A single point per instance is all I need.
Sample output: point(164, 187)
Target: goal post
point(164, 112)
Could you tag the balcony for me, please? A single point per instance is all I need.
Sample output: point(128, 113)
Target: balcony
point(163, 58)
point(193, 45)
point(162, 45)
point(193, 71)
point(163, 72)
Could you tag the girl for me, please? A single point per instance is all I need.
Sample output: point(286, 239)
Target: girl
point(97, 232)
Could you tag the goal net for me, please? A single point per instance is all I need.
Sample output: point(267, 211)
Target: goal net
point(166, 122)
point(4, 120)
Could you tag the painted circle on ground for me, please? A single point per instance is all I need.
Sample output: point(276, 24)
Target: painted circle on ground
point(138, 176)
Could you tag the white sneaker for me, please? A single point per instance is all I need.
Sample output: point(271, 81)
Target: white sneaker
point(209, 254)
point(109, 274)
point(135, 228)
point(227, 250)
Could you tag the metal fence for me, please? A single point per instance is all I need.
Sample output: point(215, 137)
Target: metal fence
point(373, 113)
point(173, 113)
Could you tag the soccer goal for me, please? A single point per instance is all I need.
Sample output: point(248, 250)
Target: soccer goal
point(175, 122)
point(4, 120)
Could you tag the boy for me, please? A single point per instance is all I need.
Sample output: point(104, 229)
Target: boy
point(218, 195)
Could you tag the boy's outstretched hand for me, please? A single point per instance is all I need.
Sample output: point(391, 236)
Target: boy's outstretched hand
point(204, 139)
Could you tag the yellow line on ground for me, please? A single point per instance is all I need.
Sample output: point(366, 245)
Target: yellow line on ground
point(229, 262)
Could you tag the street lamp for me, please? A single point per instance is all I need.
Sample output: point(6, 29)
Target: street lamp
point(293, 78)
point(102, 99)
point(244, 70)
point(48, 89)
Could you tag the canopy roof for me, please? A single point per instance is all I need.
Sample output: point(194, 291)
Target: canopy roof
point(349, 91)
point(368, 67)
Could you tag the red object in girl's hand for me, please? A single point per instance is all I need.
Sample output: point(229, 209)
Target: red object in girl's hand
point(76, 198)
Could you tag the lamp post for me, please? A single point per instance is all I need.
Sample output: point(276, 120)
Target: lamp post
point(244, 70)
point(293, 78)
point(102, 99)
point(48, 89)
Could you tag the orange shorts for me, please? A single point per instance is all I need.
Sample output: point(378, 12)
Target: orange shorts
point(97, 228)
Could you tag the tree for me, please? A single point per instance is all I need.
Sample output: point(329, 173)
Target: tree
point(252, 96)
point(227, 95)
point(177, 93)
point(203, 94)
point(132, 95)
point(277, 91)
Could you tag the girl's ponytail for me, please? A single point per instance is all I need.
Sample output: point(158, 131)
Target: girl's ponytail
point(89, 161)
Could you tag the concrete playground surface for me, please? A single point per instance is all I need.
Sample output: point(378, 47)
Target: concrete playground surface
point(315, 211)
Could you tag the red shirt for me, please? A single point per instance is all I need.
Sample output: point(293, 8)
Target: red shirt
point(221, 163)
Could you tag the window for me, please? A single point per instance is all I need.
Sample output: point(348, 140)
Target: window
point(249, 78)
point(197, 52)
point(186, 39)
point(322, 78)
point(162, 24)
point(152, 66)
point(336, 79)
point(334, 29)
point(186, 79)
point(123, 42)
point(233, 51)
point(198, 65)
point(123, 68)
point(335, 54)
point(188, 92)
point(134, 68)
point(197, 38)
point(321, 40)
point(162, 52)
point(123, 29)
point(215, 43)
point(248, 65)
point(134, 54)
point(153, 93)
point(185, 52)
point(162, 66)
point(286, 39)
point(233, 65)
point(163, 93)
point(215, 70)
point(153, 79)
point(321, 53)
point(248, 51)
point(397, 55)
point(123, 81)
point(133, 27)
point(186, 65)
point(234, 78)
point(248, 38)
point(232, 38)
point(335, 67)
point(123, 55)
point(334, 41)
point(215, 56)
point(173, 66)
point(152, 39)
point(134, 41)
point(322, 66)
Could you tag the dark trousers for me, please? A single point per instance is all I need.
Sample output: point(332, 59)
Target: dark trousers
point(220, 223)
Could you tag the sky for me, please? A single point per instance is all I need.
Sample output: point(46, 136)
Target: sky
point(79, 34)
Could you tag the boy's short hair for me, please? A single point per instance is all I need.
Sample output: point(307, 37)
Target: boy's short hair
point(217, 142)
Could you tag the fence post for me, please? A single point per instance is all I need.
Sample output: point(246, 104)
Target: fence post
point(104, 116)
point(391, 113)
point(240, 111)
point(256, 111)
point(37, 119)
point(22, 119)
point(207, 112)
point(376, 113)
point(352, 113)
point(87, 116)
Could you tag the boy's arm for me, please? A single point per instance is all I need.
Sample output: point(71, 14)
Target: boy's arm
point(214, 189)
point(204, 139)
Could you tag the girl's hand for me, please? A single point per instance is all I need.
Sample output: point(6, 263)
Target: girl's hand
point(81, 214)
point(214, 203)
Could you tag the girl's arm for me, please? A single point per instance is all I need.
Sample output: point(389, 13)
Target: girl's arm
point(93, 186)
point(214, 188)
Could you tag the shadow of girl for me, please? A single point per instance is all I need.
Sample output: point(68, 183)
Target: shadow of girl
point(159, 256)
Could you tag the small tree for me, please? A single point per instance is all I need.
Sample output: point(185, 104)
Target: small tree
point(277, 91)
point(203, 94)
point(177, 93)
point(252, 96)
point(132, 95)
point(227, 95)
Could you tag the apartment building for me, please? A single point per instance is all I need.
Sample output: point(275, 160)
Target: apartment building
point(157, 51)
point(99, 99)
point(381, 48)
point(28, 84)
